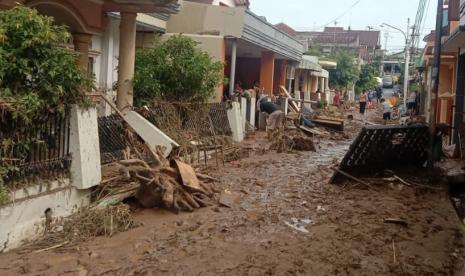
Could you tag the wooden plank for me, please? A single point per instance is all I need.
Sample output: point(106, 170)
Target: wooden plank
point(321, 121)
point(313, 131)
point(291, 104)
point(331, 124)
point(330, 118)
point(188, 176)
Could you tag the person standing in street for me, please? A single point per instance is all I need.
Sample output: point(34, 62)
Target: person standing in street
point(386, 111)
point(363, 102)
point(337, 99)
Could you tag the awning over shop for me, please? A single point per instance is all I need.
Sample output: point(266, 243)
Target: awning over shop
point(310, 63)
point(328, 64)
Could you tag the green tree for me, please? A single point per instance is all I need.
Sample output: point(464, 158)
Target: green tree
point(314, 50)
point(35, 73)
point(367, 78)
point(175, 69)
point(347, 71)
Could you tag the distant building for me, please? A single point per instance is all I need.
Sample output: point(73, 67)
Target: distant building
point(225, 3)
point(365, 43)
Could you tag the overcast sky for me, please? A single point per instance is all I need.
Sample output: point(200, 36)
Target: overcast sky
point(308, 15)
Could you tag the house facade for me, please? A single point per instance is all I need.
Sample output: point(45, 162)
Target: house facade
point(364, 42)
point(104, 33)
point(449, 104)
point(253, 50)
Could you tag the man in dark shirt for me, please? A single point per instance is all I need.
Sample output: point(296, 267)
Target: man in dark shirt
point(276, 116)
point(269, 107)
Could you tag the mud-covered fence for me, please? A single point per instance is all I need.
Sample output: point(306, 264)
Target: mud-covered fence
point(193, 120)
point(40, 148)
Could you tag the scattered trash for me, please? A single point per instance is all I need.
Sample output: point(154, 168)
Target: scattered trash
point(299, 224)
point(320, 208)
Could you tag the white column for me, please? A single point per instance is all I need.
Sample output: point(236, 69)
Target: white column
point(307, 98)
point(127, 50)
point(85, 148)
point(232, 74)
point(235, 122)
point(252, 111)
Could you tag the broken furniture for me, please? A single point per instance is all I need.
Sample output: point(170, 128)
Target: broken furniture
point(329, 122)
point(377, 148)
point(205, 148)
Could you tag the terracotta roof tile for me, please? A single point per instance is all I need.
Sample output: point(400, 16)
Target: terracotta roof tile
point(285, 28)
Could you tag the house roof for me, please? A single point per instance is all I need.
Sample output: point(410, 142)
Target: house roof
point(242, 3)
point(338, 38)
point(286, 28)
point(333, 29)
point(368, 38)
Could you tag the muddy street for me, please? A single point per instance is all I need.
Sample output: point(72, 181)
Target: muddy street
point(279, 217)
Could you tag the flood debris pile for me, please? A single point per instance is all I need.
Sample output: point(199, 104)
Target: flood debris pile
point(160, 182)
point(291, 140)
point(85, 223)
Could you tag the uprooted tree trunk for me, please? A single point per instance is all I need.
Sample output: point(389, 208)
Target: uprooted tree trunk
point(173, 185)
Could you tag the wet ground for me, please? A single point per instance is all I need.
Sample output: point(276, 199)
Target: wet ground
point(284, 219)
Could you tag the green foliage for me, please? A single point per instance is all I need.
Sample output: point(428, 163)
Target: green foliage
point(367, 79)
point(35, 73)
point(37, 76)
point(314, 50)
point(4, 195)
point(347, 71)
point(175, 69)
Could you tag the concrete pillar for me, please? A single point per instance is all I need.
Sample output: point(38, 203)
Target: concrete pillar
point(307, 98)
point(267, 72)
point(81, 43)
point(314, 84)
point(235, 122)
point(84, 145)
point(232, 74)
point(149, 133)
point(327, 84)
point(243, 112)
point(127, 51)
point(322, 84)
point(253, 103)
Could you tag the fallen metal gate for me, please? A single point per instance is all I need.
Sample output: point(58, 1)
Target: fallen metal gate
point(385, 147)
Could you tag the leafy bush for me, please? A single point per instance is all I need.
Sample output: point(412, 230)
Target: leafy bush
point(35, 73)
point(175, 69)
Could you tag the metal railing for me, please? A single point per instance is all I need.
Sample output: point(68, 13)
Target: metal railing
point(40, 148)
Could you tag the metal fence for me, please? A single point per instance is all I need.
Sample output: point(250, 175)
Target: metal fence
point(113, 138)
point(39, 148)
point(385, 147)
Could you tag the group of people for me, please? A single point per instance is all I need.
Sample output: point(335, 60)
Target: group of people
point(392, 103)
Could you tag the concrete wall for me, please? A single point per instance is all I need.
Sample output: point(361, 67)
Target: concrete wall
point(197, 18)
point(24, 218)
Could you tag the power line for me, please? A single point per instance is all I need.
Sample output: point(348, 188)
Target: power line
point(340, 16)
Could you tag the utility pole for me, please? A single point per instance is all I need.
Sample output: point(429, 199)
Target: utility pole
point(435, 82)
point(407, 64)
